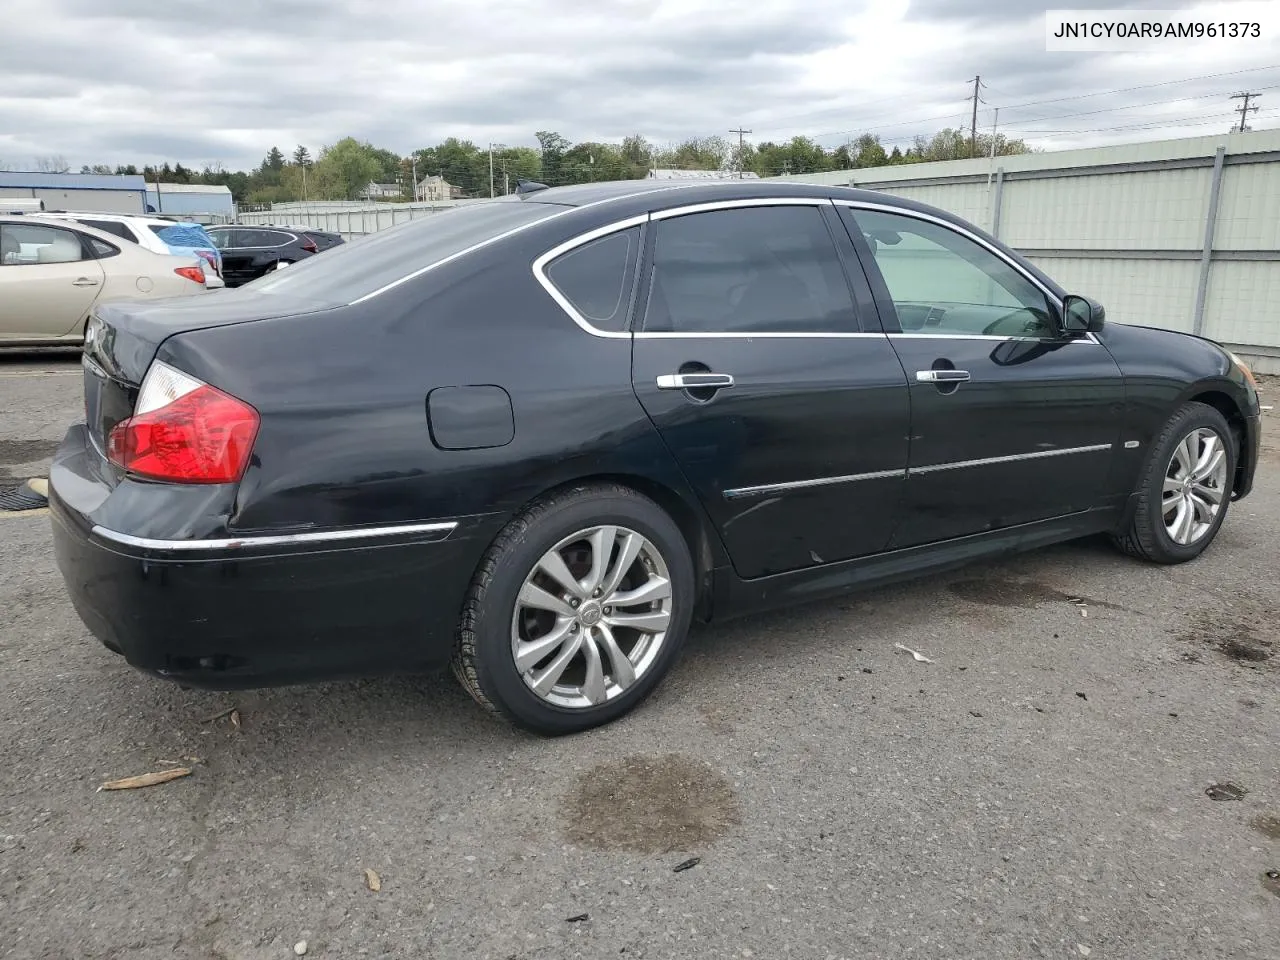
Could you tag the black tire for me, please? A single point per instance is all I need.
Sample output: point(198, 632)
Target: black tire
point(1145, 536)
point(483, 659)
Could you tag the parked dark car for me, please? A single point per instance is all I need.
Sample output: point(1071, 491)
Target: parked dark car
point(249, 252)
point(537, 437)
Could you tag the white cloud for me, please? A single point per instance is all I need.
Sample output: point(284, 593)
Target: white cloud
point(133, 81)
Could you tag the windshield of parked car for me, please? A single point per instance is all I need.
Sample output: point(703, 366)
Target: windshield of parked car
point(348, 272)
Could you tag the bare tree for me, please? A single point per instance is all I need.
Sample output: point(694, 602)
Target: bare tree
point(52, 164)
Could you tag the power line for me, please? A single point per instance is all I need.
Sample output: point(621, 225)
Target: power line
point(1143, 86)
point(1245, 109)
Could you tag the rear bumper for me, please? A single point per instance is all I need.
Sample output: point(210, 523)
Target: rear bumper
point(227, 613)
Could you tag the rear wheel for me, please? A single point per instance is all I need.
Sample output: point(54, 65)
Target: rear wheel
point(1185, 488)
point(577, 611)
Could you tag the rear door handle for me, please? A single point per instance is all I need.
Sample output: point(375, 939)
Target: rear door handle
point(942, 376)
point(84, 282)
point(694, 381)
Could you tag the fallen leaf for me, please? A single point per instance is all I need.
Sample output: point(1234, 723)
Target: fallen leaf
point(918, 657)
point(372, 880)
point(687, 865)
point(235, 719)
point(580, 918)
point(147, 779)
point(219, 715)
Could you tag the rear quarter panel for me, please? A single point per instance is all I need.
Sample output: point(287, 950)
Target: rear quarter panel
point(343, 398)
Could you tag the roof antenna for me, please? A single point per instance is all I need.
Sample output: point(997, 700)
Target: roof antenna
point(529, 186)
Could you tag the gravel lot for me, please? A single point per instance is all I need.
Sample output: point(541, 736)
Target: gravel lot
point(1038, 791)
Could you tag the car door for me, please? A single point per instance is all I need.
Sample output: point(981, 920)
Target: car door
point(48, 281)
point(788, 418)
point(1012, 421)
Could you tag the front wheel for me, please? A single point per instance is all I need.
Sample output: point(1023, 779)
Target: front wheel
point(1185, 488)
point(577, 611)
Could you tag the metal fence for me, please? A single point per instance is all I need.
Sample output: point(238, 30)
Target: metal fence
point(354, 218)
point(1181, 234)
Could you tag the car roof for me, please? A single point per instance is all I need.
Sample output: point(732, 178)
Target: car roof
point(690, 191)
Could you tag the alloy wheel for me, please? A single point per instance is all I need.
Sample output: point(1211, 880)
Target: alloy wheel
point(592, 617)
point(1194, 486)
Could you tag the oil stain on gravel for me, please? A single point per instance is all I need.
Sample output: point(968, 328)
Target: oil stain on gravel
point(17, 452)
point(1269, 827)
point(1236, 638)
point(650, 805)
point(1025, 594)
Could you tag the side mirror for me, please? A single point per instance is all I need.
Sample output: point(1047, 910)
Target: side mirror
point(1082, 315)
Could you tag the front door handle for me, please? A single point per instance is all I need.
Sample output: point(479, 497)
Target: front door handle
point(694, 381)
point(942, 376)
point(84, 282)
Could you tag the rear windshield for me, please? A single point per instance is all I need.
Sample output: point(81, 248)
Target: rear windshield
point(182, 234)
point(350, 271)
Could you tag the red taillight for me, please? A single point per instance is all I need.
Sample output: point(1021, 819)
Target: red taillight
point(184, 431)
point(309, 245)
point(191, 273)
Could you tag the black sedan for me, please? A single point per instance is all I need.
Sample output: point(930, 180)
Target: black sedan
point(250, 252)
point(537, 437)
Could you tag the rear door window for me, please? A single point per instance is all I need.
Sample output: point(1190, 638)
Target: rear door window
point(22, 243)
point(768, 269)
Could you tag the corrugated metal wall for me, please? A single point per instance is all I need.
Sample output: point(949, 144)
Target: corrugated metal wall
point(350, 218)
point(1127, 225)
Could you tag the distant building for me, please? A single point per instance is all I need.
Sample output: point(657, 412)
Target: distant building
point(434, 188)
point(382, 191)
point(702, 175)
point(103, 193)
point(202, 202)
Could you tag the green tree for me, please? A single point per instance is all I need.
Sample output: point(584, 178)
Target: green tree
point(274, 159)
point(867, 151)
point(554, 147)
point(301, 156)
point(344, 170)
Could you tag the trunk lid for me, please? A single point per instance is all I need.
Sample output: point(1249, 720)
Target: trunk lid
point(122, 339)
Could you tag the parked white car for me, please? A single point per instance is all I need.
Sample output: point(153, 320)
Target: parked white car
point(52, 273)
point(157, 235)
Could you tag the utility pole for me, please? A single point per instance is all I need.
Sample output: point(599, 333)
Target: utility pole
point(1244, 108)
point(413, 164)
point(741, 133)
point(973, 126)
point(491, 170)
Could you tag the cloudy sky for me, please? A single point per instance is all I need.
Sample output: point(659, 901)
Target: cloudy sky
point(194, 81)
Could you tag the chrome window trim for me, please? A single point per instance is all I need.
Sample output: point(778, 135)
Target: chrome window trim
point(737, 493)
point(710, 206)
point(544, 260)
point(276, 540)
point(912, 335)
point(769, 335)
